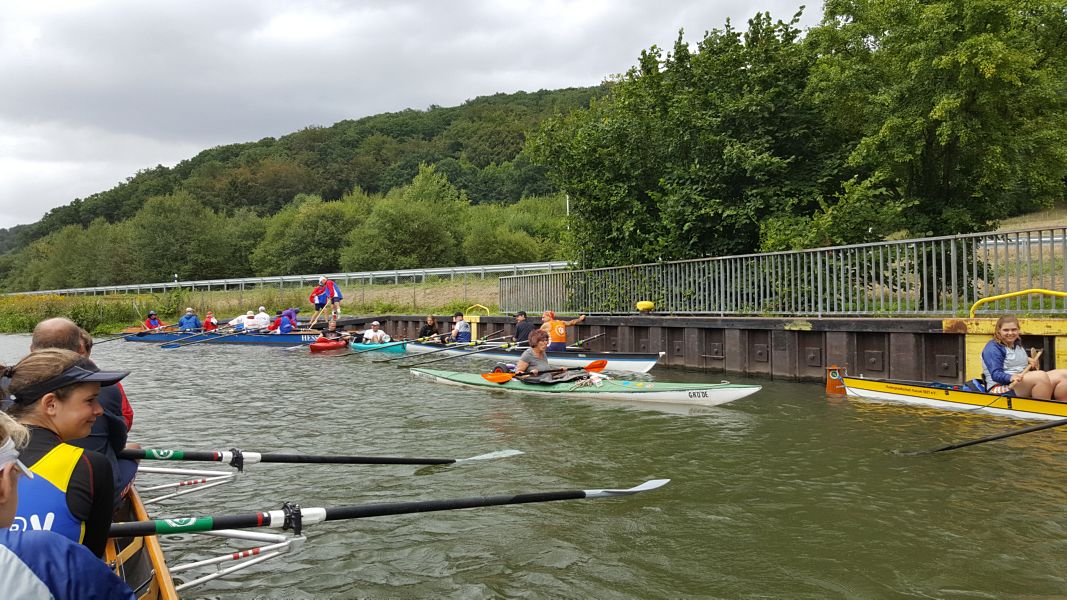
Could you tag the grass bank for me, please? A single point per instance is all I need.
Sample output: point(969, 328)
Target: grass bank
point(109, 314)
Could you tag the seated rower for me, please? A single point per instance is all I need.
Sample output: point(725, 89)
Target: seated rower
point(375, 335)
point(43, 564)
point(189, 321)
point(153, 322)
point(210, 322)
point(557, 330)
point(54, 393)
point(1006, 366)
point(429, 332)
point(332, 333)
point(534, 360)
point(461, 330)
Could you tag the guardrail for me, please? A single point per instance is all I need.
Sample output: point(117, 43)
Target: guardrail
point(929, 276)
point(364, 277)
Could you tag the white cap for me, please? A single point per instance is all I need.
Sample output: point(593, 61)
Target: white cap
point(375, 323)
point(262, 309)
point(8, 454)
point(250, 314)
point(322, 279)
point(188, 310)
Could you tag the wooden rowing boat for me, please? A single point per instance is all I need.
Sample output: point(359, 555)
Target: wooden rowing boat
point(702, 394)
point(139, 561)
point(947, 396)
point(621, 362)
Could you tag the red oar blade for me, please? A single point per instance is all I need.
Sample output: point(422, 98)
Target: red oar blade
point(596, 366)
point(498, 377)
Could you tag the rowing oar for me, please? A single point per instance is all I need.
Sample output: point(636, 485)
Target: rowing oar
point(580, 342)
point(473, 343)
point(239, 458)
point(124, 336)
point(188, 336)
point(171, 345)
point(991, 438)
point(293, 517)
point(391, 344)
point(594, 367)
point(503, 346)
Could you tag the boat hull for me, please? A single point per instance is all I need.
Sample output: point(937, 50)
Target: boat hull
point(701, 394)
point(394, 348)
point(620, 362)
point(952, 399)
point(253, 339)
point(140, 561)
point(324, 345)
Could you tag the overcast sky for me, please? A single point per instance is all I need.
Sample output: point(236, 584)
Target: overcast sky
point(93, 91)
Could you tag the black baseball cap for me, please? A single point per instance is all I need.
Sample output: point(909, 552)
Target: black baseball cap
point(521, 313)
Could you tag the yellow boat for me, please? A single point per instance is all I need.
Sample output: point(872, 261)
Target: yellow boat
point(139, 561)
point(940, 395)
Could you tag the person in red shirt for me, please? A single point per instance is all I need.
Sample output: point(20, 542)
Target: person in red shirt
point(210, 322)
point(153, 321)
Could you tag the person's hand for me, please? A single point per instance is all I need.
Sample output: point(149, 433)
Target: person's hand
point(1017, 378)
point(581, 318)
point(533, 371)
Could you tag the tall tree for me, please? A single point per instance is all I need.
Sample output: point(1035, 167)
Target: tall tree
point(956, 107)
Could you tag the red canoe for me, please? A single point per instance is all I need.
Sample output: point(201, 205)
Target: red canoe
point(324, 345)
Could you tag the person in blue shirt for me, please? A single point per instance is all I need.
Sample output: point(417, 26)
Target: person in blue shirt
point(1006, 366)
point(43, 564)
point(189, 321)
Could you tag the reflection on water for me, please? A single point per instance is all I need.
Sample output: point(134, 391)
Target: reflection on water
point(787, 493)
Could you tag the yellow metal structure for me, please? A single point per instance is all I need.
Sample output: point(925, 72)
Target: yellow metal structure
point(974, 307)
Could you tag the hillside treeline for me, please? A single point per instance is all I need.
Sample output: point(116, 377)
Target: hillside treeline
point(232, 193)
point(889, 118)
point(427, 223)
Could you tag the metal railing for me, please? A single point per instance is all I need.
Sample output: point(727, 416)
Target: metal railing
point(364, 277)
point(930, 276)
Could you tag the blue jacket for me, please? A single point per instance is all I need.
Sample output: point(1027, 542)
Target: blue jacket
point(42, 564)
point(994, 359)
point(188, 322)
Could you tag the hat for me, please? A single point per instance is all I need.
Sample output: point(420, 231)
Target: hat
point(322, 279)
point(278, 312)
point(151, 312)
point(376, 323)
point(296, 310)
point(262, 309)
point(188, 310)
point(250, 314)
point(521, 313)
point(82, 371)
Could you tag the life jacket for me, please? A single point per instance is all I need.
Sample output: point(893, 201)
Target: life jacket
point(210, 324)
point(43, 499)
point(152, 323)
point(557, 331)
point(286, 325)
point(319, 295)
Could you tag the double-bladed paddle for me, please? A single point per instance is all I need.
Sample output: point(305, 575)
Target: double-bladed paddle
point(239, 458)
point(293, 517)
point(594, 367)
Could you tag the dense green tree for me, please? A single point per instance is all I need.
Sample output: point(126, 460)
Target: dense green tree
point(955, 108)
point(691, 151)
point(421, 225)
point(307, 236)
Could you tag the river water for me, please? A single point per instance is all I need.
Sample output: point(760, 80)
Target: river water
point(786, 494)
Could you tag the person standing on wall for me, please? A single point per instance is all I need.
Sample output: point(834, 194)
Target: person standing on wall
point(333, 294)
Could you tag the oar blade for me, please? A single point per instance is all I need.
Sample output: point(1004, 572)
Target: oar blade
point(170, 346)
point(498, 377)
point(644, 487)
point(493, 455)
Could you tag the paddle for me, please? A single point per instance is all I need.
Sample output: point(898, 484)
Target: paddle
point(594, 367)
point(172, 345)
point(188, 336)
point(239, 458)
point(318, 314)
point(293, 517)
point(504, 346)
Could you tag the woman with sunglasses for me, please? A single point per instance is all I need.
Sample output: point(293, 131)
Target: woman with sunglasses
point(53, 393)
point(43, 564)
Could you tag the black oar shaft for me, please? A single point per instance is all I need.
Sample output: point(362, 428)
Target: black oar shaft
point(400, 508)
point(1000, 436)
point(354, 460)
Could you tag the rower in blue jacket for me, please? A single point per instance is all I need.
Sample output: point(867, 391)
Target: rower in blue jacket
point(189, 321)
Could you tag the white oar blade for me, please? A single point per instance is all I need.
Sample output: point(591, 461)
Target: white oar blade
point(644, 487)
point(492, 455)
